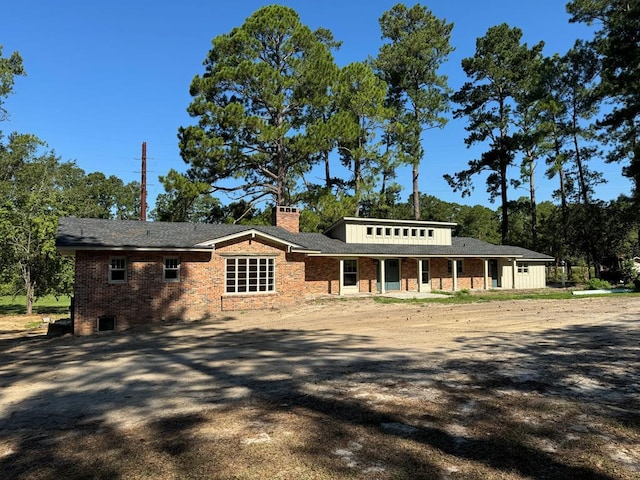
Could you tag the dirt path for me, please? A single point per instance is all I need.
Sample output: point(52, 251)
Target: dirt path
point(432, 373)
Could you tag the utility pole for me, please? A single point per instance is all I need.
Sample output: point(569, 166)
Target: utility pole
point(143, 184)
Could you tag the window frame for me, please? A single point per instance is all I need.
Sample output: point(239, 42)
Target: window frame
point(250, 284)
point(459, 269)
point(522, 268)
point(427, 262)
point(175, 269)
point(123, 269)
point(352, 273)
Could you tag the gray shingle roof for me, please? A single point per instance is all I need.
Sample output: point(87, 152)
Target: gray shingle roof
point(87, 233)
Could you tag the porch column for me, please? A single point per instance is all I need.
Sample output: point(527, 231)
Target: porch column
point(382, 289)
point(340, 280)
point(454, 270)
point(486, 274)
point(513, 274)
point(419, 275)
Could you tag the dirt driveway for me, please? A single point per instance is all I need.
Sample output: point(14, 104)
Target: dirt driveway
point(334, 389)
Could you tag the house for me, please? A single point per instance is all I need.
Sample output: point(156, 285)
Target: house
point(132, 272)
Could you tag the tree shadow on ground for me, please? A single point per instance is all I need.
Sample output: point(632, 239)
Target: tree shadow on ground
point(176, 402)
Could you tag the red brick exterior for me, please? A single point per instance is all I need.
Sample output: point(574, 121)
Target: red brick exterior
point(287, 218)
point(200, 293)
point(146, 298)
point(321, 275)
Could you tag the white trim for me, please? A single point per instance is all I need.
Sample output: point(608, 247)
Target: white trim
point(269, 260)
point(251, 233)
point(71, 250)
point(110, 270)
point(349, 288)
point(165, 269)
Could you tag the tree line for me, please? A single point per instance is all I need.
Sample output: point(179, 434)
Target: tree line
point(272, 108)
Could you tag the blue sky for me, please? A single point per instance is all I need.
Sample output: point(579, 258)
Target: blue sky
point(102, 77)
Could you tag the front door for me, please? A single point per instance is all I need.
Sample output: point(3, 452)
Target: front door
point(391, 274)
point(493, 269)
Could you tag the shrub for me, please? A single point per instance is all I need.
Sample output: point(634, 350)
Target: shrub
point(597, 284)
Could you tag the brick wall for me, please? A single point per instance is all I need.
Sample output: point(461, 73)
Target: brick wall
point(146, 298)
point(472, 278)
point(286, 217)
point(321, 276)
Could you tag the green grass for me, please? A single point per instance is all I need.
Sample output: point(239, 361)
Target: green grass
point(464, 296)
point(10, 305)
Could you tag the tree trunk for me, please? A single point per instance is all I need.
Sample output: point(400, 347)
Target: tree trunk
point(533, 205)
point(29, 290)
point(504, 199)
point(416, 193)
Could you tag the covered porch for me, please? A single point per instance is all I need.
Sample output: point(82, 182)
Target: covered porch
point(422, 274)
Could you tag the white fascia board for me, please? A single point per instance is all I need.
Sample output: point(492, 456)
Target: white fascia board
point(248, 233)
point(72, 250)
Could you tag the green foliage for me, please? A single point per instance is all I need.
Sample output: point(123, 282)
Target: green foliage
point(497, 71)
point(10, 68)
point(360, 97)
point(597, 284)
point(184, 201)
point(617, 44)
point(15, 304)
point(418, 44)
point(31, 204)
point(253, 104)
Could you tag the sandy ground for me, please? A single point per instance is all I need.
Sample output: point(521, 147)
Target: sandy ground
point(585, 350)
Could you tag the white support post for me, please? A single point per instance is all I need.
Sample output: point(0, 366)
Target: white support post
point(419, 275)
point(341, 279)
point(382, 289)
point(486, 274)
point(513, 279)
point(454, 270)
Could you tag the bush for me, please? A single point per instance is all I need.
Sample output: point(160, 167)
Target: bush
point(597, 284)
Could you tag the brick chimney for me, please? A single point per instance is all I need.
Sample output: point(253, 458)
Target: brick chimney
point(286, 217)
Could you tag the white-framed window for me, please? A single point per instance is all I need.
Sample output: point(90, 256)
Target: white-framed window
point(350, 273)
point(426, 276)
point(378, 231)
point(171, 269)
point(117, 270)
point(396, 232)
point(430, 233)
point(250, 275)
point(459, 267)
point(523, 268)
point(422, 232)
point(387, 231)
point(405, 232)
point(414, 232)
point(369, 230)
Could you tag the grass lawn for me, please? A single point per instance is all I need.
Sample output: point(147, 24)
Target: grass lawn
point(465, 296)
point(10, 305)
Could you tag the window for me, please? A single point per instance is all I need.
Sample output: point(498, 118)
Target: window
point(430, 233)
point(369, 230)
point(425, 271)
point(459, 267)
point(414, 232)
point(523, 268)
point(422, 232)
point(378, 230)
point(250, 275)
point(387, 232)
point(106, 323)
point(405, 232)
point(171, 269)
point(350, 273)
point(396, 232)
point(117, 270)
